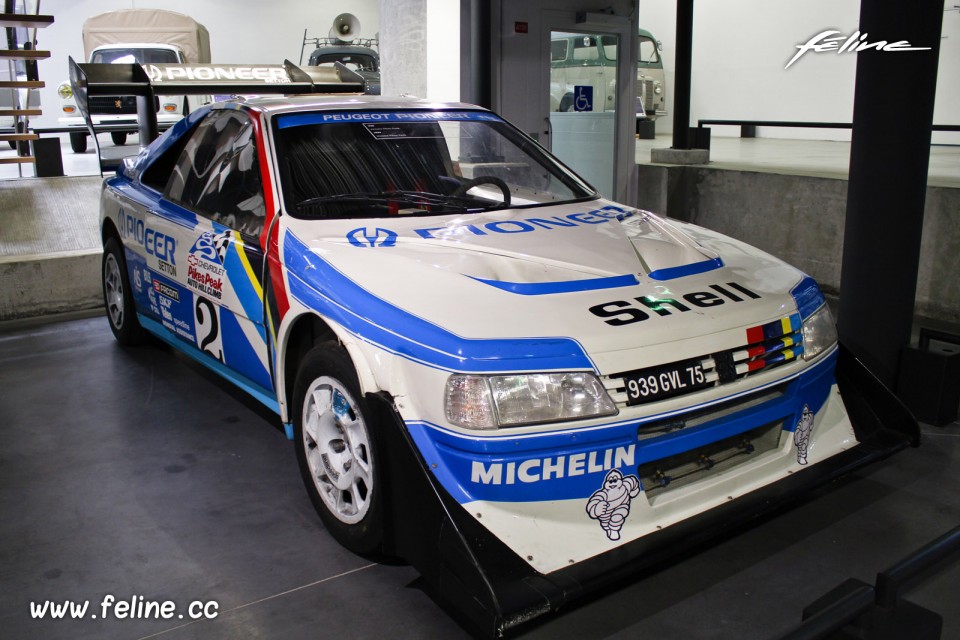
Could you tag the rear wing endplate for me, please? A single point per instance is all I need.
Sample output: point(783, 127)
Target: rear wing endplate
point(145, 82)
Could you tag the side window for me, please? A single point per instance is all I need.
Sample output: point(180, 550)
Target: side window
point(217, 174)
point(558, 50)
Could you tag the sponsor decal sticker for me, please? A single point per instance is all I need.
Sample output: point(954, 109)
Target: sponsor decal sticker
point(166, 290)
point(610, 504)
point(801, 435)
point(542, 469)
point(155, 243)
point(623, 312)
point(205, 269)
point(364, 237)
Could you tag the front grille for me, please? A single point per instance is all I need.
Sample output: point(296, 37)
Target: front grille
point(767, 346)
point(698, 417)
point(648, 96)
point(116, 105)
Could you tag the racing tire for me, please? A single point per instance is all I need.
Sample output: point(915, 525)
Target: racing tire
point(117, 296)
point(119, 137)
point(337, 450)
point(78, 142)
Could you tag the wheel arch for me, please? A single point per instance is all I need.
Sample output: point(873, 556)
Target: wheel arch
point(302, 334)
point(108, 229)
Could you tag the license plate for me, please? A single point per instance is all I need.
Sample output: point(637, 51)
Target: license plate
point(665, 381)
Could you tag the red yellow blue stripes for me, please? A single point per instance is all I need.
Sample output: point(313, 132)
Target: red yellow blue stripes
point(775, 329)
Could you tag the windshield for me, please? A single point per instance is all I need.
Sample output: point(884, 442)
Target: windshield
point(131, 56)
point(377, 164)
point(353, 61)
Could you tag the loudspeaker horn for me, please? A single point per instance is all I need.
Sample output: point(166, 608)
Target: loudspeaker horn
point(345, 27)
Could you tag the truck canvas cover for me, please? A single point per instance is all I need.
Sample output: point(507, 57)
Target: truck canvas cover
point(147, 25)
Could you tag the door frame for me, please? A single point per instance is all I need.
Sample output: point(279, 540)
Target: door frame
point(624, 163)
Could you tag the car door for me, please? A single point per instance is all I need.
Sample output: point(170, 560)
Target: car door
point(213, 203)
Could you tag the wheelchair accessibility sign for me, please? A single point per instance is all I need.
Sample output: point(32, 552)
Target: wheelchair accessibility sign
point(582, 97)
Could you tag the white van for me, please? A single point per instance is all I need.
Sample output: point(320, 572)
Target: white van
point(124, 37)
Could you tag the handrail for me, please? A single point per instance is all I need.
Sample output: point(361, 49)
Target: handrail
point(803, 125)
point(860, 599)
point(891, 581)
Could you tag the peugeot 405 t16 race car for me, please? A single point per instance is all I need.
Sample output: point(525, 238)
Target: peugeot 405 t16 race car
point(522, 388)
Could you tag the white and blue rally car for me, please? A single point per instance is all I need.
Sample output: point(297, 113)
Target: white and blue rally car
point(524, 389)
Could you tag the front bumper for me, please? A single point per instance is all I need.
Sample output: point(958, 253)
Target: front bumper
point(494, 589)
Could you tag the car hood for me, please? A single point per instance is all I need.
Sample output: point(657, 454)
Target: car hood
point(591, 272)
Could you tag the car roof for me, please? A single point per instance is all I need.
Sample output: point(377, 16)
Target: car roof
point(351, 102)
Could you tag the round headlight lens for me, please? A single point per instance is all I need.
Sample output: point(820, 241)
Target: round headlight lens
point(65, 91)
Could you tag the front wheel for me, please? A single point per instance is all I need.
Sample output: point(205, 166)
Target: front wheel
point(119, 137)
point(117, 296)
point(336, 449)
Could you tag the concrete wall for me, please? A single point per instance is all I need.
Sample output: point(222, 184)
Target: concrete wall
point(801, 220)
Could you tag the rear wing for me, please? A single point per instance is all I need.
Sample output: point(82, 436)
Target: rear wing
point(145, 82)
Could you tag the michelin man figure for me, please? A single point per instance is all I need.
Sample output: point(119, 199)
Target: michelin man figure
point(801, 435)
point(611, 503)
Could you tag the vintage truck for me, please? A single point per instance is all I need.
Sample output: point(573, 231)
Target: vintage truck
point(146, 36)
point(583, 59)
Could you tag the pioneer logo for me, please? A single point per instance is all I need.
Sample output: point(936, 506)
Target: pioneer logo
point(160, 73)
point(623, 312)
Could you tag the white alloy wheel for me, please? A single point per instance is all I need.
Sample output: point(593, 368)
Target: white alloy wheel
point(338, 451)
point(113, 290)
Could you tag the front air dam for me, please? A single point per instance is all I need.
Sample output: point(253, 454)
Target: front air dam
point(490, 590)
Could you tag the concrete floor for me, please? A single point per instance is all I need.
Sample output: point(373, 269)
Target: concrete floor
point(134, 472)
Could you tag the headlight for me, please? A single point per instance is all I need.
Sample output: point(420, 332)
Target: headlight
point(65, 91)
point(657, 89)
point(819, 333)
point(489, 402)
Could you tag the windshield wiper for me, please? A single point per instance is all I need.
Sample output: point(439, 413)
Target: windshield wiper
point(416, 198)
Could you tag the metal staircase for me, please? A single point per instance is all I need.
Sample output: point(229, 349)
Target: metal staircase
point(19, 85)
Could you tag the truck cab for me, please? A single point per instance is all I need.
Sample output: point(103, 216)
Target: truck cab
point(144, 36)
point(581, 59)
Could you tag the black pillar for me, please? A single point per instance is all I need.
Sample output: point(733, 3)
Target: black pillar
point(681, 82)
point(480, 53)
point(889, 153)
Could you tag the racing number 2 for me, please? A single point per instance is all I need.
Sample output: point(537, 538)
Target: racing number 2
point(208, 328)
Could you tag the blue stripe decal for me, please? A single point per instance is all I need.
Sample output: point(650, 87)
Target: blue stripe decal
point(570, 286)
point(265, 396)
point(808, 296)
point(571, 464)
point(686, 270)
point(318, 285)
point(341, 117)
point(239, 353)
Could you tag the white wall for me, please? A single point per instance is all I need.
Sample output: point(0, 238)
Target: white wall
point(740, 50)
point(247, 31)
